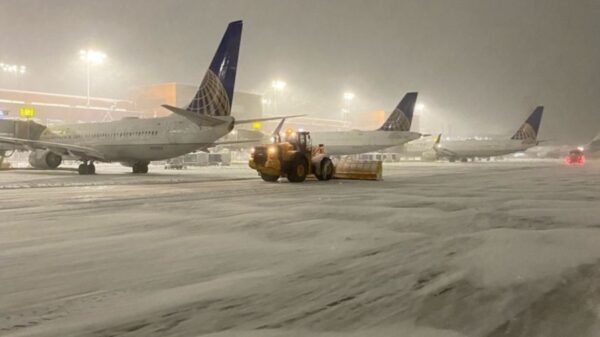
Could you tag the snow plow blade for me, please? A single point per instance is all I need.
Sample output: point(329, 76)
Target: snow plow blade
point(358, 169)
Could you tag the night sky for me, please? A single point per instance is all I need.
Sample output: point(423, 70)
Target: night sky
point(481, 66)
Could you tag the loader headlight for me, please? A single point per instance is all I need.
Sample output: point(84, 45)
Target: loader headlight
point(252, 150)
point(272, 151)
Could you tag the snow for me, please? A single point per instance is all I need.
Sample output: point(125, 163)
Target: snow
point(508, 256)
point(435, 249)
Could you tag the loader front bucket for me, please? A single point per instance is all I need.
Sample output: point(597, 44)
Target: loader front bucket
point(358, 169)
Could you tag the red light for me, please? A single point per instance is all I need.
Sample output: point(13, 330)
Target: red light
point(576, 160)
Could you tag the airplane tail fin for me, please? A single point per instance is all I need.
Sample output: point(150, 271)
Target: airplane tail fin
point(401, 118)
point(529, 130)
point(437, 148)
point(215, 95)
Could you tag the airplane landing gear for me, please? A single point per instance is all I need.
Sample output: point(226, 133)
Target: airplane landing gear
point(86, 168)
point(140, 168)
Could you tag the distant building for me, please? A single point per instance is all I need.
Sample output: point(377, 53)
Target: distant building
point(57, 108)
point(370, 120)
point(150, 98)
point(145, 102)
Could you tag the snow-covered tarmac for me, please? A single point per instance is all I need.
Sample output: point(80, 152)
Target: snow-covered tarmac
point(436, 249)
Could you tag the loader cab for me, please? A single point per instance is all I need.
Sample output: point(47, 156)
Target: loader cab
point(300, 140)
point(304, 142)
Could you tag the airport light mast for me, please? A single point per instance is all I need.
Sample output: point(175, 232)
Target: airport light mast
point(91, 57)
point(13, 68)
point(15, 71)
point(348, 98)
point(278, 86)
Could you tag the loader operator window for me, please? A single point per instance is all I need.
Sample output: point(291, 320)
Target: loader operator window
point(304, 141)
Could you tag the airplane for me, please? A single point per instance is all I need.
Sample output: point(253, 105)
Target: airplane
point(523, 139)
point(592, 149)
point(17, 128)
point(420, 148)
point(395, 131)
point(136, 142)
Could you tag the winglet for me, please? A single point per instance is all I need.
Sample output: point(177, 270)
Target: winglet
point(277, 130)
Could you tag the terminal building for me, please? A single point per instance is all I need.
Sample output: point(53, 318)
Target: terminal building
point(146, 101)
point(49, 108)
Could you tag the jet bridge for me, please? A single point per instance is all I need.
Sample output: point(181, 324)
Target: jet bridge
point(15, 128)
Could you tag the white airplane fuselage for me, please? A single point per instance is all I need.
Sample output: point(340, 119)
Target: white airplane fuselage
point(356, 141)
point(481, 148)
point(415, 148)
point(138, 140)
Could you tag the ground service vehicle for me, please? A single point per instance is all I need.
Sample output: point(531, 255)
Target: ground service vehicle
point(176, 163)
point(575, 157)
point(294, 158)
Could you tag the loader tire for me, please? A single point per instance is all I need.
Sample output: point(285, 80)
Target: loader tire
point(269, 178)
point(326, 168)
point(298, 170)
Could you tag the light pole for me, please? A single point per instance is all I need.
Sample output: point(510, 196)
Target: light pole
point(278, 86)
point(13, 68)
point(90, 57)
point(348, 97)
point(16, 70)
point(266, 105)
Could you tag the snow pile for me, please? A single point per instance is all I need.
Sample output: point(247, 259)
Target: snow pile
point(509, 256)
point(476, 249)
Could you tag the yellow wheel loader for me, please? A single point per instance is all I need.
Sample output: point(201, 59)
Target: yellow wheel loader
point(294, 158)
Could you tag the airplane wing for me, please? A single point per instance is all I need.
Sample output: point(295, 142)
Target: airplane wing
point(58, 148)
point(254, 120)
point(250, 141)
point(216, 120)
point(205, 146)
point(195, 117)
point(228, 142)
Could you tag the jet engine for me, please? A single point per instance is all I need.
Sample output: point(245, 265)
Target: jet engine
point(44, 159)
